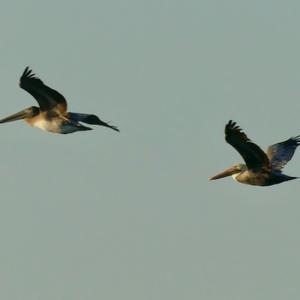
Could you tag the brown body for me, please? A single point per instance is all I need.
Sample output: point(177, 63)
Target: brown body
point(42, 121)
point(263, 178)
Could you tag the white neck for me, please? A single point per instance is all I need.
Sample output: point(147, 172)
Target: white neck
point(234, 176)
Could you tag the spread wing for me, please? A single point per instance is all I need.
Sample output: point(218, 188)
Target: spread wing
point(46, 97)
point(254, 157)
point(280, 154)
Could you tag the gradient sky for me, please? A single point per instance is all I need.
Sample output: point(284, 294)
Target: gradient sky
point(132, 215)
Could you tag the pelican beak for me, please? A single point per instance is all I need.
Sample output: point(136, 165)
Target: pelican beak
point(17, 116)
point(226, 173)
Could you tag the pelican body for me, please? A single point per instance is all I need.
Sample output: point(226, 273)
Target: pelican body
point(261, 169)
point(51, 115)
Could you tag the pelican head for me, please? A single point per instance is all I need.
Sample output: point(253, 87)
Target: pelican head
point(234, 171)
point(26, 113)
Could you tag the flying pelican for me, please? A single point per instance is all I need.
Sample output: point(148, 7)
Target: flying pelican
point(51, 115)
point(261, 168)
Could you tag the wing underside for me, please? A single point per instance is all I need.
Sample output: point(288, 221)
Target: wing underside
point(281, 153)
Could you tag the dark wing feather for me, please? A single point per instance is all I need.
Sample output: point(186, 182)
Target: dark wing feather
point(254, 157)
point(90, 119)
point(280, 154)
point(46, 97)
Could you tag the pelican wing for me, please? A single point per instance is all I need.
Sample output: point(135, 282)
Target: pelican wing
point(280, 154)
point(46, 97)
point(90, 119)
point(254, 157)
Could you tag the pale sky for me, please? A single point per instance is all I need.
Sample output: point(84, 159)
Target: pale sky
point(132, 215)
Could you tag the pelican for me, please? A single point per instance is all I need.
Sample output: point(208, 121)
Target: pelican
point(261, 168)
point(51, 115)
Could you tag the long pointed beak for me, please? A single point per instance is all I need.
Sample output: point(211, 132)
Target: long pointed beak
point(17, 116)
point(227, 172)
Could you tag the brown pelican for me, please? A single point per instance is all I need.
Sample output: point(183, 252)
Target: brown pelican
point(261, 168)
point(51, 115)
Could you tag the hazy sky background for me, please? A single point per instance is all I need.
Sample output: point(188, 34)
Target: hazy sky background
point(132, 215)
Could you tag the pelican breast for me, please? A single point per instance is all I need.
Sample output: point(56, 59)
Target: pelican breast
point(52, 125)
